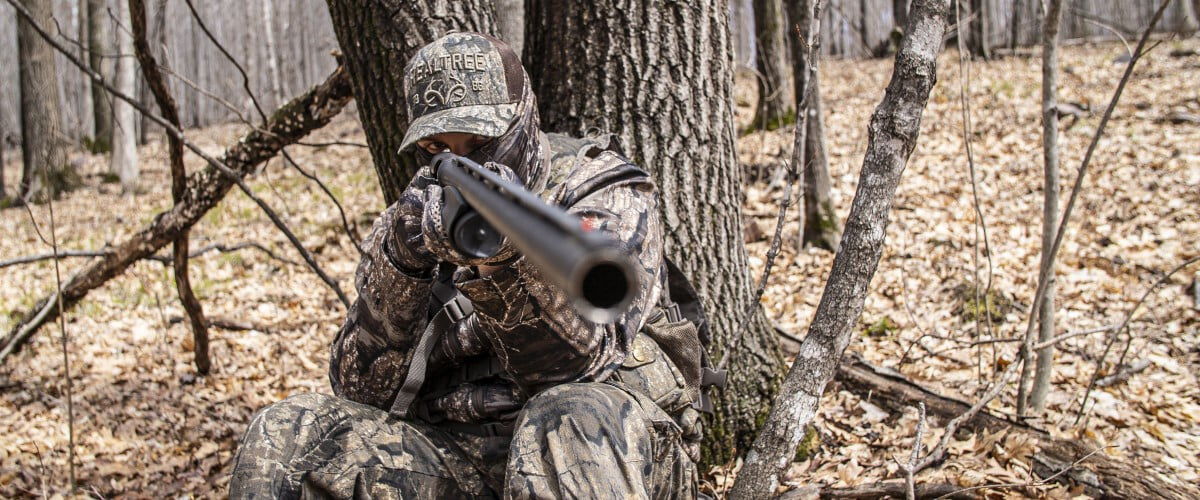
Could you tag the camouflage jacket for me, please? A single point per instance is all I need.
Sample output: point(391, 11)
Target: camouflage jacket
point(521, 321)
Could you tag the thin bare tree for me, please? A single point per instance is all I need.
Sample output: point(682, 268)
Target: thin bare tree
point(893, 134)
point(510, 22)
point(1045, 356)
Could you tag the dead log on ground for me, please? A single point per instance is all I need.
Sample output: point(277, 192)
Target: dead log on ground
point(205, 189)
point(1101, 476)
point(885, 489)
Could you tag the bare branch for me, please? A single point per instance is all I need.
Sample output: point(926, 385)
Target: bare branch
point(292, 121)
point(179, 248)
point(219, 247)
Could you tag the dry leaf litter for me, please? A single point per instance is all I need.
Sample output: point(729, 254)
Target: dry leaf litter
point(147, 425)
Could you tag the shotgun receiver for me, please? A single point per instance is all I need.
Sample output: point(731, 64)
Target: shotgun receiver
point(480, 209)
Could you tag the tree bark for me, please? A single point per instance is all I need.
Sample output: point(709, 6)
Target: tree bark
point(45, 171)
point(395, 30)
point(510, 22)
point(1045, 356)
point(893, 133)
point(821, 226)
point(101, 58)
point(1101, 476)
point(124, 159)
point(776, 88)
point(205, 189)
point(657, 73)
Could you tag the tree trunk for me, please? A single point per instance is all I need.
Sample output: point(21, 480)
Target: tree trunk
point(821, 227)
point(1015, 29)
point(1045, 356)
point(101, 57)
point(657, 73)
point(395, 30)
point(45, 171)
point(3, 145)
point(893, 133)
point(510, 21)
point(977, 37)
point(776, 90)
point(741, 26)
point(124, 160)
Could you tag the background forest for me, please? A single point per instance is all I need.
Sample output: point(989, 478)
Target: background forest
point(186, 309)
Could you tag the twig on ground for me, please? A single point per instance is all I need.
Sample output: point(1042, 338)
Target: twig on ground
point(1125, 322)
point(1039, 482)
point(916, 453)
point(1123, 374)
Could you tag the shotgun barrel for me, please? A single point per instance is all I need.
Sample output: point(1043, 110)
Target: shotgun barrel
point(480, 208)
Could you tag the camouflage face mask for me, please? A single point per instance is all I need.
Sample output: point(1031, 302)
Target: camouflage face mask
point(473, 83)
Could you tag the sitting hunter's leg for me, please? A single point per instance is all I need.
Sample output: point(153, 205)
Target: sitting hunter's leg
point(592, 440)
point(325, 446)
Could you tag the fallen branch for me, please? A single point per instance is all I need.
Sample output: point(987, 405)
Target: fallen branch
point(1100, 475)
point(222, 323)
point(205, 189)
point(1124, 373)
point(882, 489)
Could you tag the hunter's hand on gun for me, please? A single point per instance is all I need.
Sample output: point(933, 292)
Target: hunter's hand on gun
point(479, 215)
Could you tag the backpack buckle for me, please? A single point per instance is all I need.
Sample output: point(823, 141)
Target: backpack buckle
point(673, 313)
point(710, 377)
point(458, 308)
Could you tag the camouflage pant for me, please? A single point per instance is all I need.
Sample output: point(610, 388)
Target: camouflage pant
point(585, 440)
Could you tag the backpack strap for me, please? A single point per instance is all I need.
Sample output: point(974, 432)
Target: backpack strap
point(455, 308)
point(685, 303)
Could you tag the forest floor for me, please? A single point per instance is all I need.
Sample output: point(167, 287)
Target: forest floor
point(146, 425)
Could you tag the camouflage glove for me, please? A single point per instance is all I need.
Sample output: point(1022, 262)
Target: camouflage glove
point(437, 234)
point(406, 246)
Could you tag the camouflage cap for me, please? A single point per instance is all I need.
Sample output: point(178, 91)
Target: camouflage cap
point(462, 82)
